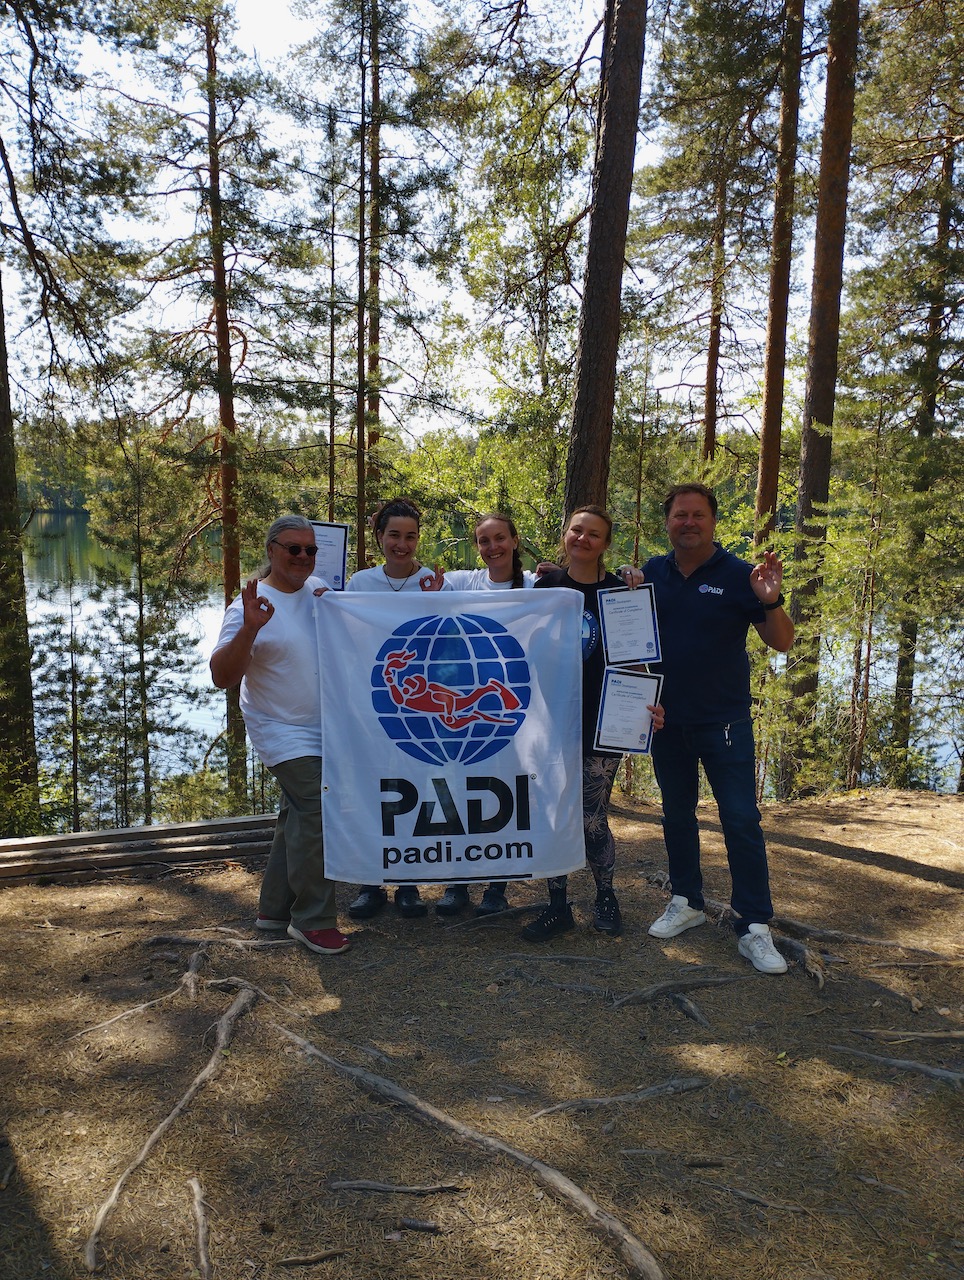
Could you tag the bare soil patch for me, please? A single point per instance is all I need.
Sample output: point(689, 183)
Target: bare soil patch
point(792, 1158)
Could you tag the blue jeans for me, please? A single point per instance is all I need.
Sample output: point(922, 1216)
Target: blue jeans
point(727, 755)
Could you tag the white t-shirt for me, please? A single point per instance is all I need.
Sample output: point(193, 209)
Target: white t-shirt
point(479, 580)
point(378, 580)
point(281, 689)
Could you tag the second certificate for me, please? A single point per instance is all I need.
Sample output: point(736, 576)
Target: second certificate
point(625, 722)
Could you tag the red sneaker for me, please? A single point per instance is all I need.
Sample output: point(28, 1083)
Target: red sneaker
point(328, 942)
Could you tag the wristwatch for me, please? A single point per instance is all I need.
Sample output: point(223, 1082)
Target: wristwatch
point(776, 603)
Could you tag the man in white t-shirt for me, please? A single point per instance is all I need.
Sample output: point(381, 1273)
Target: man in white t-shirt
point(268, 643)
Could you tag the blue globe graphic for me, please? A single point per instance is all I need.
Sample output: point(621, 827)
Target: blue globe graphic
point(451, 690)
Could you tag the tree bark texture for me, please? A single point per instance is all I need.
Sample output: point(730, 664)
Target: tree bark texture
point(590, 437)
point(230, 539)
point(17, 741)
point(813, 488)
point(781, 258)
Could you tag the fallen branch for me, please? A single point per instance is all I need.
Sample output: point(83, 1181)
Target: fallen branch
point(682, 1084)
point(884, 1186)
point(634, 1253)
point(686, 1005)
point(417, 1224)
point(916, 964)
point(225, 1030)
point(671, 985)
point(955, 1078)
point(898, 1036)
point(529, 957)
point(200, 1216)
point(389, 1189)
point(188, 982)
point(310, 1259)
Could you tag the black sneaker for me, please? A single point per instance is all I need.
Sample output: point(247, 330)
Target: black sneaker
point(408, 903)
point(606, 917)
point(553, 920)
point(369, 902)
point(453, 900)
point(493, 901)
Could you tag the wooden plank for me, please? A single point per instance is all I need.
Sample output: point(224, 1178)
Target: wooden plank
point(123, 835)
point(54, 862)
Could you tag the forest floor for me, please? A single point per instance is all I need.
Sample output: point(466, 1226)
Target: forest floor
point(779, 1151)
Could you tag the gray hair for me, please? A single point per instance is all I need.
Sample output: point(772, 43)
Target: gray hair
point(282, 525)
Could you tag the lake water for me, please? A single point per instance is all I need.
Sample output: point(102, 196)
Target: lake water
point(58, 551)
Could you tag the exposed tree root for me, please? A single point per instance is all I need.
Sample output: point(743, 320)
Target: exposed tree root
point(648, 994)
point(225, 1030)
point(895, 1037)
point(955, 1078)
point(634, 1253)
point(310, 1259)
point(201, 1218)
point(187, 983)
point(389, 1189)
point(801, 954)
point(687, 1006)
point(682, 1084)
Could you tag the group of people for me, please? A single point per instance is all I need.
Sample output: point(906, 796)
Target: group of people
point(706, 600)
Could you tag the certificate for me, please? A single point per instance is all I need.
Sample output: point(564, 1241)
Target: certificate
point(624, 722)
point(629, 629)
point(332, 559)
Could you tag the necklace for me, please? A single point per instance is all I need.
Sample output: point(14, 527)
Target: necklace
point(414, 569)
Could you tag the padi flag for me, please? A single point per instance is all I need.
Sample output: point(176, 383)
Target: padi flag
point(452, 735)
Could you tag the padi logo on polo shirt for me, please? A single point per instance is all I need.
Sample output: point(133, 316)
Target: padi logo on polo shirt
point(705, 587)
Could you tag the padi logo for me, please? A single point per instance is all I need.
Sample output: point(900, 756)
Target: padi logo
point(451, 690)
point(705, 589)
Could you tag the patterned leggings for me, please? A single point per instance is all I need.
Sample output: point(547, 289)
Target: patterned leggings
point(598, 776)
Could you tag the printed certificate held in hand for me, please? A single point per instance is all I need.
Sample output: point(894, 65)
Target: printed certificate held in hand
point(625, 722)
point(629, 629)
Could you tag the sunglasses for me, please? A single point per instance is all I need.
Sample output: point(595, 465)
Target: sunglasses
point(293, 549)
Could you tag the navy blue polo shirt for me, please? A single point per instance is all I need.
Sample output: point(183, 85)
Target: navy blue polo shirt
point(703, 623)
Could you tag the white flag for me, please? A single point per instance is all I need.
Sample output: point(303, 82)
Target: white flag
point(452, 735)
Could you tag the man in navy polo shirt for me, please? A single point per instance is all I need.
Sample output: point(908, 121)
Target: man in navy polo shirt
point(706, 600)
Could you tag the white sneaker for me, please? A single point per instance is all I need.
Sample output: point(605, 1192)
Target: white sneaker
point(677, 917)
point(757, 946)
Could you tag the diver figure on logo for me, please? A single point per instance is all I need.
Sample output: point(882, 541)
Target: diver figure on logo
point(397, 524)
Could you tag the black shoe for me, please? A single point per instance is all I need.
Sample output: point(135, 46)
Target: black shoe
point(606, 917)
point(408, 903)
point(493, 901)
point(369, 902)
point(554, 919)
point(453, 900)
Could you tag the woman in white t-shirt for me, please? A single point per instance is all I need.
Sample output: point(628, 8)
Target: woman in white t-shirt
point(397, 524)
point(497, 541)
point(268, 643)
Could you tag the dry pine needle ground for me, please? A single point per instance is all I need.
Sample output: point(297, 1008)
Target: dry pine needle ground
point(793, 1159)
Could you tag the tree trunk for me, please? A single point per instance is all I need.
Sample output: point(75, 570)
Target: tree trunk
point(781, 257)
point(18, 749)
point(813, 489)
point(374, 258)
point(930, 374)
point(360, 423)
point(717, 287)
point(590, 437)
point(230, 540)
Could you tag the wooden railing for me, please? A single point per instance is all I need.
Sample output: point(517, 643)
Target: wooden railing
point(176, 842)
